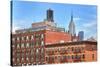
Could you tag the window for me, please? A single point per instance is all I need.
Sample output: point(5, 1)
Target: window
point(27, 54)
point(22, 59)
point(18, 38)
point(68, 49)
point(42, 36)
point(27, 38)
point(36, 35)
point(32, 37)
point(42, 50)
point(32, 44)
point(59, 59)
point(37, 43)
point(18, 46)
point(32, 52)
point(22, 45)
point(22, 54)
point(27, 45)
point(27, 59)
point(22, 38)
point(37, 55)
point(93, 56)
point(77, 57)
point(37, 50)
point(18, 55)
point(68, 57)
point(63, 50)
point(42, 43)
point(82, 48)
point(72, 48)
point(13, 45)
point(18, 60)
point(63, 58)
point(77, 49)
point(13, 59)
point(32, 59)
point(73, 56)
point(83, 56)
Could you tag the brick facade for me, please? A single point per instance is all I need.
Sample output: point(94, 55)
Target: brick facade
point(29, 48)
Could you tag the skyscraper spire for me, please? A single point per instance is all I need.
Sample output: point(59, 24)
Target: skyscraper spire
point(72, 26)
point(71, 15)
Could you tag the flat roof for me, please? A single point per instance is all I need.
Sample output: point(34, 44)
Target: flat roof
point(71, 43)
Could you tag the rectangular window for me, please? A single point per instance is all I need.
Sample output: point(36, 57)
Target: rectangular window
point(13, 59)
point(32, 44)
point(13, 45)
point(32, 52)
point(27, 54)
point(27, 59)
point(68, 57)
point(83, 56)
point(18, 59)
point(22, 55)
point(37, 55)
point(42, 36)
point(27, 45)
point(22, 59)
point(32, 37)
point(27, 38)
point(93, 56)
point(17, 38)
point(38, 43)
point(22, 45)
point(18, 54)
point(42, 51)
point(42, 43)
point(18, 45)
point(32, 59)
point(73, 57)
point(22, 38)
point(72, 48)
point(68, 49)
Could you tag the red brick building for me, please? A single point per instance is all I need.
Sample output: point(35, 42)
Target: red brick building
point(29, 48)
point(81, 51)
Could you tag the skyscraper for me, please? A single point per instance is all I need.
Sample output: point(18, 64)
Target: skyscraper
point(72, 26)
point(50, 15)
point(81, 35)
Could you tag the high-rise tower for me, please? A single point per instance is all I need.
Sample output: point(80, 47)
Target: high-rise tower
point(72, 26)
point(50, 15)
point(81, 35)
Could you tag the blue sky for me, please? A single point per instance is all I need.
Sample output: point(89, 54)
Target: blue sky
point(85, 16)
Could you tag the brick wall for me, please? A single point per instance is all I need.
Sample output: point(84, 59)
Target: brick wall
point(56, 37)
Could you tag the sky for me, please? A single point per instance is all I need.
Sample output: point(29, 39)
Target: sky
point(84, 16)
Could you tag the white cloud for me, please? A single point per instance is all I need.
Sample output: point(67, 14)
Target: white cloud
point(91, 29)
point(90, 24)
